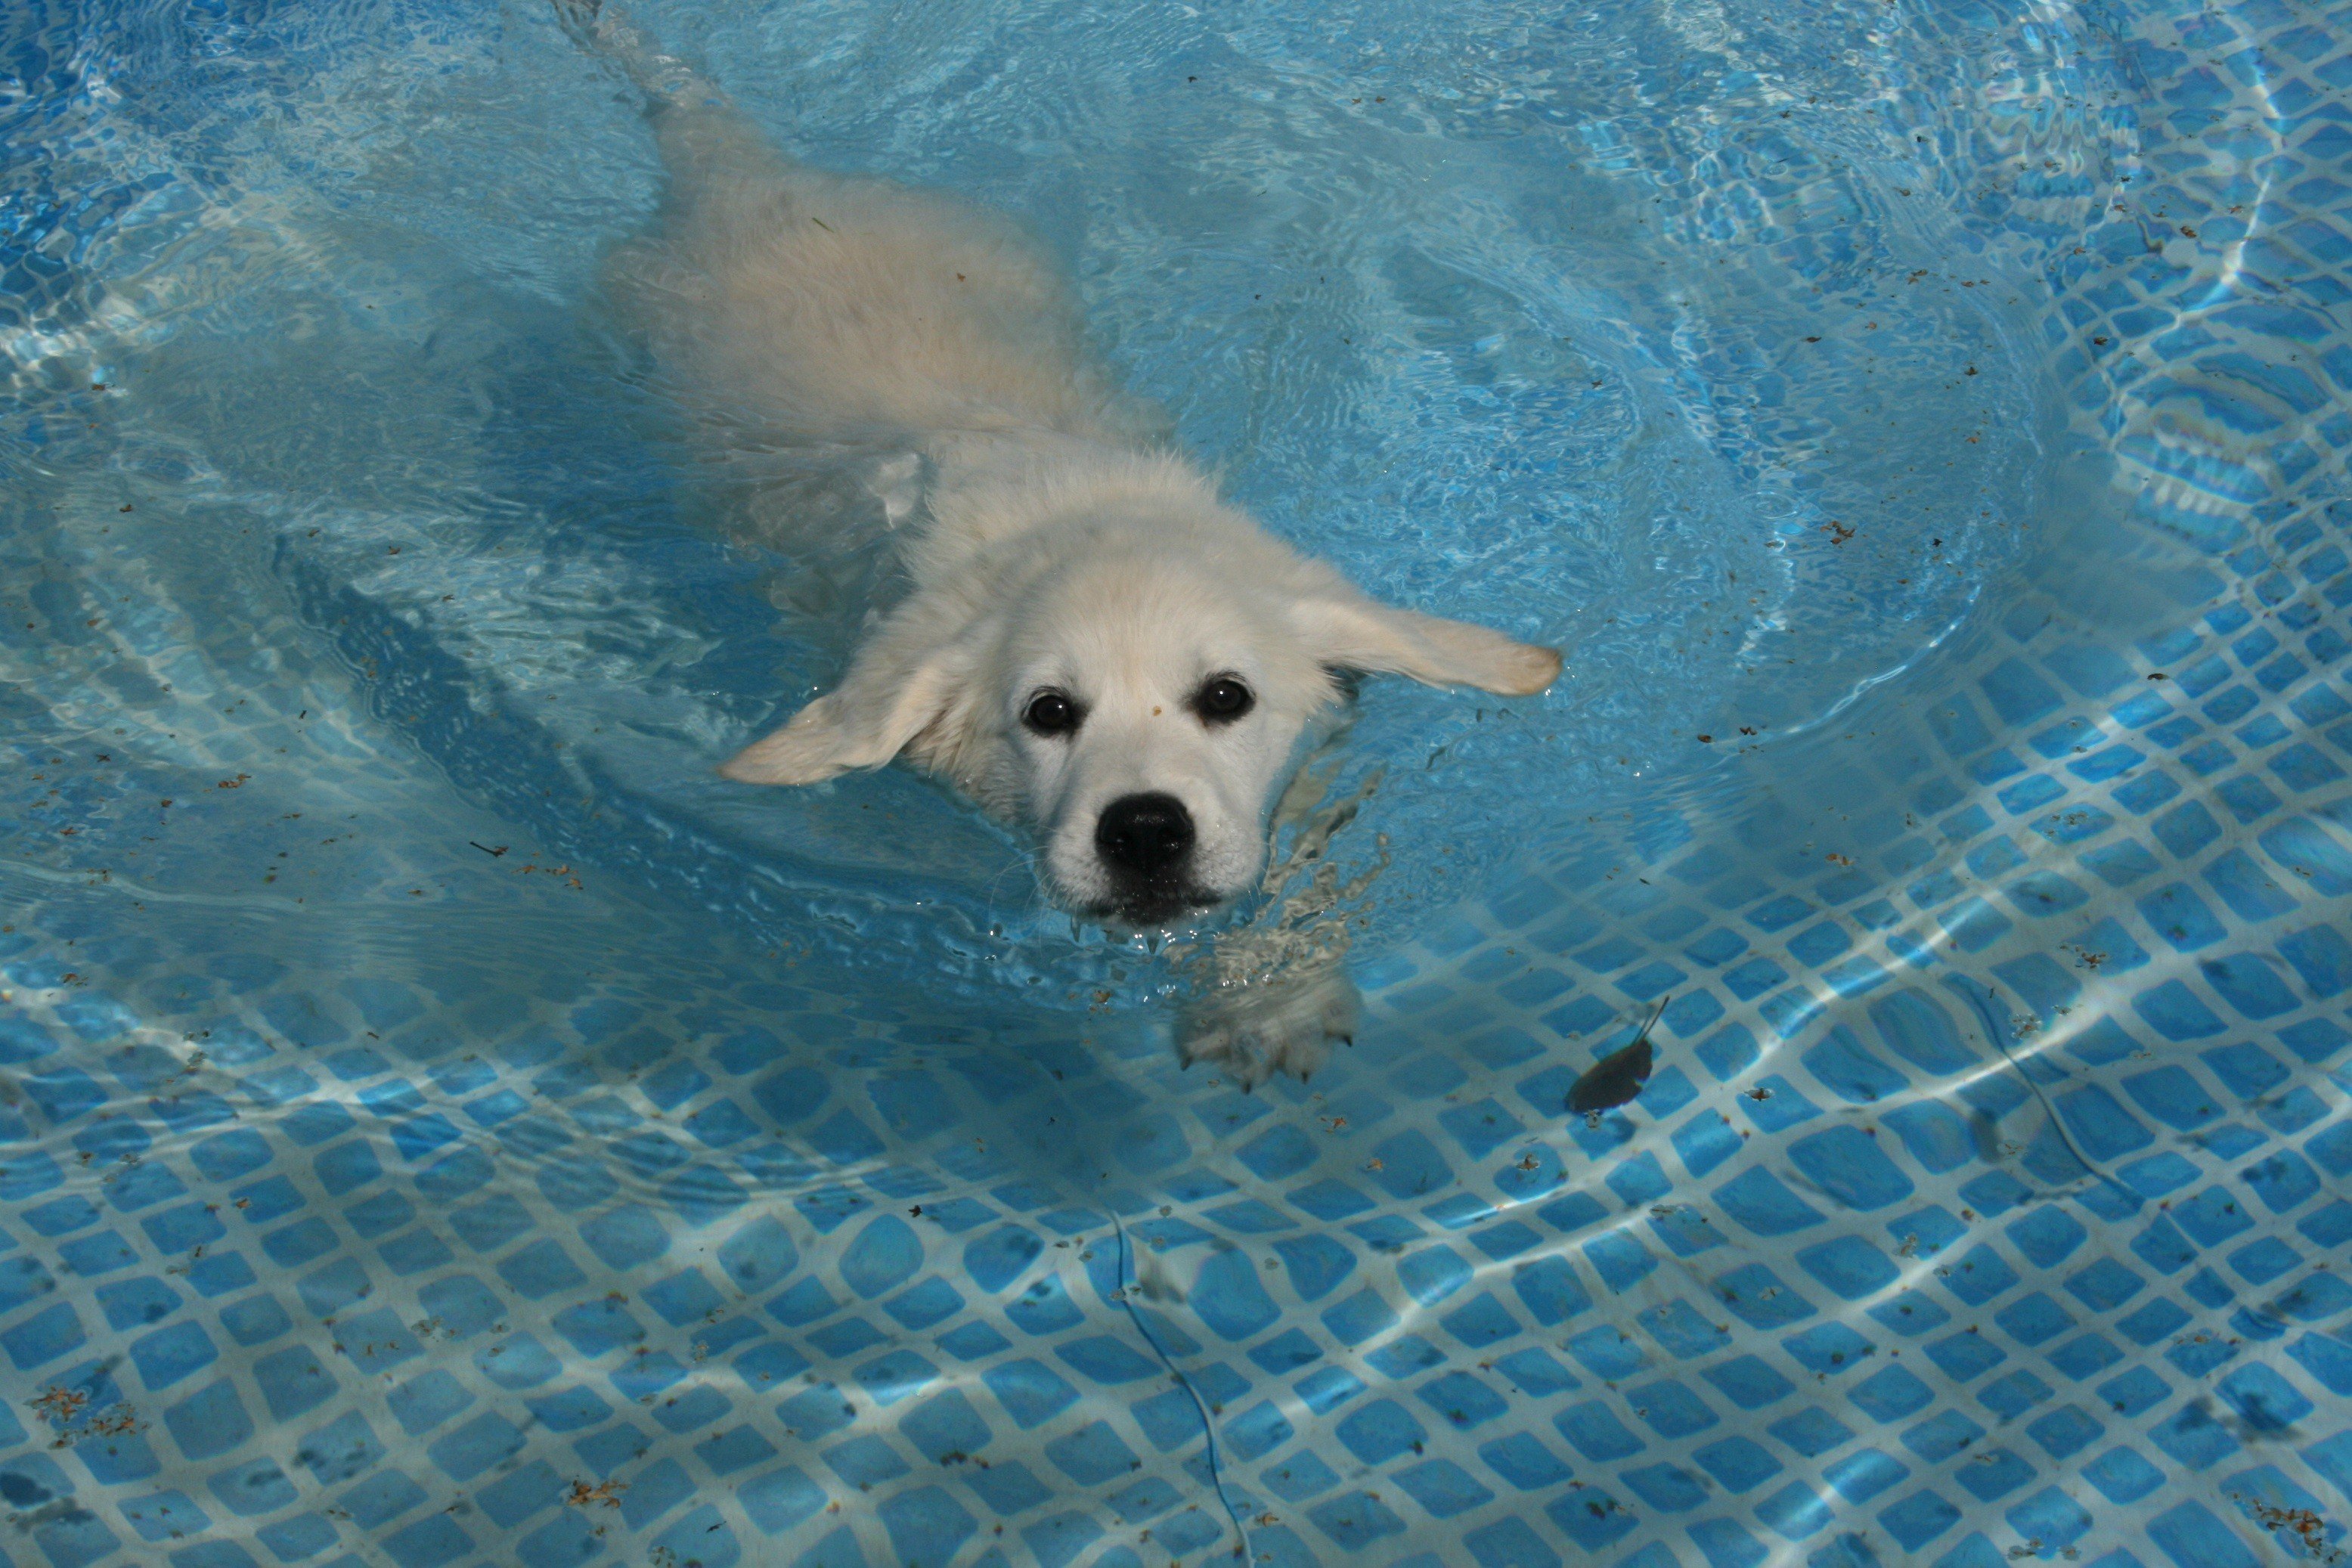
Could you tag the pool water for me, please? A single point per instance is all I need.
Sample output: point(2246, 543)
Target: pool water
point(441, 1123)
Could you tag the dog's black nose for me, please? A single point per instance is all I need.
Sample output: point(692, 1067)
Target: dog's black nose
point(1146, 834)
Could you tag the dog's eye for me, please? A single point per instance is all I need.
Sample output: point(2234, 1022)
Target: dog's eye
point(1224, 700)
point(1051, 714)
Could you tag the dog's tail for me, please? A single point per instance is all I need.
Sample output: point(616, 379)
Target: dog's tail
point(666, 81)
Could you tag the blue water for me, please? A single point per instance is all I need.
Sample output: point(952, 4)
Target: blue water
point(443, 1124)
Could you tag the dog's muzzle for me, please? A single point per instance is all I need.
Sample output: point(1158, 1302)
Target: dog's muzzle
point(1146, 842)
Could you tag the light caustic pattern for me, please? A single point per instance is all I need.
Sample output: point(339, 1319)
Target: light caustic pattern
point(441, 1125)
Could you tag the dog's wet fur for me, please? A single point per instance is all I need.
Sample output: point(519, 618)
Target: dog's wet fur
point(1094, 645)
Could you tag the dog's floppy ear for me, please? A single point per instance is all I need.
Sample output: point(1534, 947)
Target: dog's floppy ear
point(905, 681)
point(1348, 631)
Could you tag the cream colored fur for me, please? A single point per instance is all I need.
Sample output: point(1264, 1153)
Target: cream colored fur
point(1053, 536)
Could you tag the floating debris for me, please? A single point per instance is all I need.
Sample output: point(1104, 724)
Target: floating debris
point(1618, 1077)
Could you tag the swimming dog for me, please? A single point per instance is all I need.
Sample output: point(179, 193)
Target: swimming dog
point(1093, 646)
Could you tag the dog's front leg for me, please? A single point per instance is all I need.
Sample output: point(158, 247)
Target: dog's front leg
point(1283, 1023)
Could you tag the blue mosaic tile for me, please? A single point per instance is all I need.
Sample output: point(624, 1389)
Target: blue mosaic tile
point(1873, 1264)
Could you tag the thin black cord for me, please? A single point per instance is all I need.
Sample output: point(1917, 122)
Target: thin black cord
point(1127, 1286)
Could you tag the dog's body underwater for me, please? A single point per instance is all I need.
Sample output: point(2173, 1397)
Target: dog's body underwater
point(1093, 646)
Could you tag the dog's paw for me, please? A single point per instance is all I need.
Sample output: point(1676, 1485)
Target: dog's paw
point(1283, 1024)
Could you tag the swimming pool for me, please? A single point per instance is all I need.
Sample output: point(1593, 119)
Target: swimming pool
point(443, 1124)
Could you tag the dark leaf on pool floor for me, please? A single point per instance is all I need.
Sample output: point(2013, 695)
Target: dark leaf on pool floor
point(1615, 1080)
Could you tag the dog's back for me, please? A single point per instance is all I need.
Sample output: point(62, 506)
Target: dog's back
point(834, 309)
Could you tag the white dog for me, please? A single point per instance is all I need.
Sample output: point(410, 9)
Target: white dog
point(1094, 647)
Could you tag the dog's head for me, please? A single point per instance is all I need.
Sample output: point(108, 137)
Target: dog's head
point(1134, 694)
